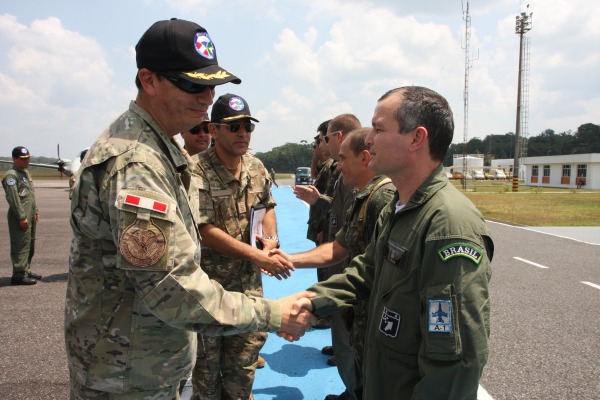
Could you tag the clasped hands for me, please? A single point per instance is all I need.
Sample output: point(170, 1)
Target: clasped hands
point(296, 315)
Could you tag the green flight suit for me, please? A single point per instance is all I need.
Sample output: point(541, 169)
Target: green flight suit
point(20, 195)
point(355, 235)
point(426, 276)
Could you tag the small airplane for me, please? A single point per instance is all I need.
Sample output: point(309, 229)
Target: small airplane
point(64, 166)
point(440, 314)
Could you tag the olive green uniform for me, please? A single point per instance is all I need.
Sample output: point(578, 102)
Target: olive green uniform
point(20, 195)
point(225, 366)
point(426, 276)
point(355, 235)
point(316, 216)
point(135, 291)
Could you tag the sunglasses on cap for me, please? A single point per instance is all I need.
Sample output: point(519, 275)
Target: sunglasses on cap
point(326, 137)
point(185, 85)
point(234, 127)
point(196, 130)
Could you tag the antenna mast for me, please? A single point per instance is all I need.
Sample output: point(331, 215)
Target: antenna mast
point(468, 65)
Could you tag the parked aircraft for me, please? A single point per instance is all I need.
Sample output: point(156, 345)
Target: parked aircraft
point(64, 166)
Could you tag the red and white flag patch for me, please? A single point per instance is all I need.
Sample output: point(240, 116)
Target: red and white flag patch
point(147, 203)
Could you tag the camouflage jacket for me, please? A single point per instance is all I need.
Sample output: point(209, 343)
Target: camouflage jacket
point(226, 202)
point(20, 194)
point(355, 235)
point(135, 289)
point(317, 218)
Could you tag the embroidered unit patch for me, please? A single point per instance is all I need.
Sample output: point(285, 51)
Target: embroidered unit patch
point(142, 247)
point(236, 104)
point(11, 181)
point(204, 45)
point(390, 323)
point(460, 250)
point(440, 316)
point(145, 202)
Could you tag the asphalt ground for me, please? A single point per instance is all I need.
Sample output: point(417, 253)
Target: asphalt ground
point(545, 292)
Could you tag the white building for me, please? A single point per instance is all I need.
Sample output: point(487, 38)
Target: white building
point(566, 171)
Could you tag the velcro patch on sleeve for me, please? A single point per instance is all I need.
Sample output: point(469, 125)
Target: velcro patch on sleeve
point(440, 316)
point(147, 203)
point(461, 250)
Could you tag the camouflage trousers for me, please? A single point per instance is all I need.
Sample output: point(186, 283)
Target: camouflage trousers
point(225, 366)
point(80, 392)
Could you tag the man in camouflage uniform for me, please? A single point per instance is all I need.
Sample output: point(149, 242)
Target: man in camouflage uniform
point(197, 139)
point(374, 192)
point(426, 271)
point(22, 217)
point(232, 184)
point(135, 291)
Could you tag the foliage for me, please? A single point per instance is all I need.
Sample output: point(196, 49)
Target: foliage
point(288, 157)
point(585, 140)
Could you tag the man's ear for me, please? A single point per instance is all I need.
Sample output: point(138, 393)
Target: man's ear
point(149, 81)
point(420, 138)
point(366, 157)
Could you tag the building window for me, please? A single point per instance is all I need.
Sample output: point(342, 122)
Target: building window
point(581, 170)
point(566, 171)
point(546, 170)
point(535, 170)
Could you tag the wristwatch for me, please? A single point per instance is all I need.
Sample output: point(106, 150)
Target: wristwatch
point(275, 238)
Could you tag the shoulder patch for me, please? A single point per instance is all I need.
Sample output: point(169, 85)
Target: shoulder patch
point(147, 203)
point(11, 181)
point(460, 250)
point(440, 316)
point(142, 244)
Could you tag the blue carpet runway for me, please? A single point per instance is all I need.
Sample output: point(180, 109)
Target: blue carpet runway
point(294, 371)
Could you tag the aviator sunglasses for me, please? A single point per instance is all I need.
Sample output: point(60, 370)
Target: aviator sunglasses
point(234, 127)
point(326, 137)
point(186, 85)
point(196, 130)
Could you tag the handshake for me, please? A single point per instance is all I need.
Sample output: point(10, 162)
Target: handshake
point(296, 315)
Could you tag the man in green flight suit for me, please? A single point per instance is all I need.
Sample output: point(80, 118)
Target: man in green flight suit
point(22, 216)
point(426, 272)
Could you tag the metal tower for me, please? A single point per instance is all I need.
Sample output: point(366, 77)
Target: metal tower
point(468, 65)
point(525, 98)
point(523, 25)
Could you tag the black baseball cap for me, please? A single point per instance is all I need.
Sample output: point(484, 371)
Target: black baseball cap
point(20, 152)
point(230, 107)
point(183, 48)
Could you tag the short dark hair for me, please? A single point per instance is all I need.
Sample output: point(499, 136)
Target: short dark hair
point(344, 123)
point(323, 126)
point(420, 106)
point(356, 140)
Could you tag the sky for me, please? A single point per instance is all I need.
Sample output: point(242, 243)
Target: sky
point(67, 68)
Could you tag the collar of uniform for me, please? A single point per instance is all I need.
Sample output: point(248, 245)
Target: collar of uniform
point(224, 175)
point(364, 192)
point(435, 182)
point(173, 147)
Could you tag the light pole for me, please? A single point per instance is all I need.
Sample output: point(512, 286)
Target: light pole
point(523, 25)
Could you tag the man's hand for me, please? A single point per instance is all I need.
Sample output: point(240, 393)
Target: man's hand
point(267, 244)
point(274, 265)
point(296, 319)
point(309, 193)
point(24, 224)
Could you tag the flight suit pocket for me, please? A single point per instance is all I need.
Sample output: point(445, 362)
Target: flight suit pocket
point(441, 320)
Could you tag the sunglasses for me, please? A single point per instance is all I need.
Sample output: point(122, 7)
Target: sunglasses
point(186, 85)
point(233, 127)
point(196, 130)
point(326, 137)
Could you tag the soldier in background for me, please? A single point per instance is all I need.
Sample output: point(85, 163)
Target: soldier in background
point(136, 294)
point(374, 192)
point(22, 217)
point(197, 139)
point(232, 184)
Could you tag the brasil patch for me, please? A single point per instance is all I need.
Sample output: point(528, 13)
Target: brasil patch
point(461, 250)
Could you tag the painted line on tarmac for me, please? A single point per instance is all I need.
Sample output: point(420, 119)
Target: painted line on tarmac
point(534, 229)
point(482, 394)
point(530, 262)
point(591, 284)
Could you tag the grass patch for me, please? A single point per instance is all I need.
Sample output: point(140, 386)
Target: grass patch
point(540, 209)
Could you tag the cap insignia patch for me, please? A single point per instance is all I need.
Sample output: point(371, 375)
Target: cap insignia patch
point(204, 45)
point(236, 104)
